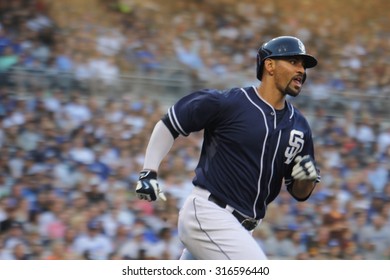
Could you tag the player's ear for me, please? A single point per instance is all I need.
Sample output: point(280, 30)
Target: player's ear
point(269, 66)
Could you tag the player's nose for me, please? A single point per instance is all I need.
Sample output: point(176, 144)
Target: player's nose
point(301, 66)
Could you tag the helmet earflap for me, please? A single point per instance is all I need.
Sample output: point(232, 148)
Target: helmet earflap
point(259, 68)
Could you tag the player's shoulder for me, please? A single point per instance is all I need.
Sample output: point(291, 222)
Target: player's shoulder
point(296, 111)
point(297, 114)
point(235, 95)
point(206, 98)
point(213, 94)
point(220, 92)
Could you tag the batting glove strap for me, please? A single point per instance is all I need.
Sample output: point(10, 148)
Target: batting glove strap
point(305, 169)
point(147, 186)
point(147, 174)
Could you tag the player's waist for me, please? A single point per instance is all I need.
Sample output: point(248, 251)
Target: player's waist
point(247, 222)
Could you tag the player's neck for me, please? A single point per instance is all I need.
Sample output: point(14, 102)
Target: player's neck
point(272, 96)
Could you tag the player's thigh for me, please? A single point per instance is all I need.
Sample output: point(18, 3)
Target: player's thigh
point(211, 232)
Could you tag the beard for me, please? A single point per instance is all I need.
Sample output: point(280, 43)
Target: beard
point(291, 90)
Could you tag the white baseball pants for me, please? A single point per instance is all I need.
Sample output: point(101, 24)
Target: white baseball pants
point(210, 232)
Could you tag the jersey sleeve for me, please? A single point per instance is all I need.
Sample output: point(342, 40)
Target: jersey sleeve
point(193, 112)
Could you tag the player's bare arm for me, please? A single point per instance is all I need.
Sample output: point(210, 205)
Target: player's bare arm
point(303, 188)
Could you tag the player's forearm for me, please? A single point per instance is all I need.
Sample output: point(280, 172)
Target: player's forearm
point(302, 189)
point(160, 143)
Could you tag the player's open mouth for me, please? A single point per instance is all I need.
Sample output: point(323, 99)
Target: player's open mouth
point(298, 81)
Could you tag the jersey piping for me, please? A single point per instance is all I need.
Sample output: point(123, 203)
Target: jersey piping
point(262, 155)
point(175, 123)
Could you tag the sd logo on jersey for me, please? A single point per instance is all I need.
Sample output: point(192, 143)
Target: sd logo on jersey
point(295, 145)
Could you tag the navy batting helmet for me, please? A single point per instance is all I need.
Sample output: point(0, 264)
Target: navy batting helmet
point(283, 46)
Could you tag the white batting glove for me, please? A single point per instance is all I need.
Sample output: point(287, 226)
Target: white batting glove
point(147, 186)
point(305, 169)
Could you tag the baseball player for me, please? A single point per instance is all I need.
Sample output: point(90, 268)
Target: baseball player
point(254, 142)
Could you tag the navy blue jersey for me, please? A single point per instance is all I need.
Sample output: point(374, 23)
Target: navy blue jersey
point(246, 154)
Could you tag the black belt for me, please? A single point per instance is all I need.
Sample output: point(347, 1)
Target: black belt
point(247, 223)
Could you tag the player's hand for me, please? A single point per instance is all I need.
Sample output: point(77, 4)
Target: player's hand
point(147, 186)
point(304, 169)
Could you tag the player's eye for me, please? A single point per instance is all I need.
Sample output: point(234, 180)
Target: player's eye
point(296, 61)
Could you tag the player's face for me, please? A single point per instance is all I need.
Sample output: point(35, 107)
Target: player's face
point(289, 75)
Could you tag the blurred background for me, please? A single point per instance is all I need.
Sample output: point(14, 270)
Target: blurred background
point(82, 83)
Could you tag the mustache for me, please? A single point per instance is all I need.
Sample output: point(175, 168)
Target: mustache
point(298, 77)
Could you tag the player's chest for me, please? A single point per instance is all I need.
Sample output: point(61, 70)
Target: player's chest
point(254, 129)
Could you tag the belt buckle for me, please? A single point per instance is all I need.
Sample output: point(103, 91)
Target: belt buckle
point(250, 223)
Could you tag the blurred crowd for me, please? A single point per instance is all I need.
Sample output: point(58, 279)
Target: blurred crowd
point(70, 159)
